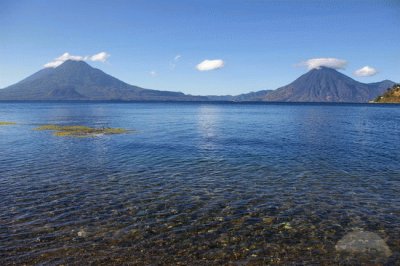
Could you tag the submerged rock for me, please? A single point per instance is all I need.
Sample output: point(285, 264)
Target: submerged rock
point(268, 220)
point(362, 242)
point(80, 131)
point(82, 233)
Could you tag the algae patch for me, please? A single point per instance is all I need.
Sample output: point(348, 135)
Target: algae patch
point(4, 123)
point(80, 131)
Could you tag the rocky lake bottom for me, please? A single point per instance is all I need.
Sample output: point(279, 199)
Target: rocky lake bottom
point(201, 184)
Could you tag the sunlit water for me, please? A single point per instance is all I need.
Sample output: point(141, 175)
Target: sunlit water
point(200, 184)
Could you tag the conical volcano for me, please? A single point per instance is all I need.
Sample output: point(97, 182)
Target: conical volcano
point(77, 80)
point(327, 85)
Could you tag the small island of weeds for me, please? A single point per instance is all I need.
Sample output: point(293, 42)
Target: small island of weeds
point(80, 131)
point(4, 123)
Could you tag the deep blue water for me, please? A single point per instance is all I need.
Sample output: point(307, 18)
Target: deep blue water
point(198, 183)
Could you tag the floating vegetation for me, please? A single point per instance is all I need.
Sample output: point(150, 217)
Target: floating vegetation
point(4, 123)
point(80, 131)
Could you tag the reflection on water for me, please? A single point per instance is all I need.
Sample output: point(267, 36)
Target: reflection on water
point(201, 184)
point(208, 122)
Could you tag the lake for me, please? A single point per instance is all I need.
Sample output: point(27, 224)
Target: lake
point(199, 183)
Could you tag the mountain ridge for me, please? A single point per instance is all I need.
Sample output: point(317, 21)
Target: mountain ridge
point(77, 80)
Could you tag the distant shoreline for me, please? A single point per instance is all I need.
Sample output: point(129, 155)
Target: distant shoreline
point(196, 102)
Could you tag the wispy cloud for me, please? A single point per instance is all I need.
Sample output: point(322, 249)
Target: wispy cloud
point(153, 73)
point(174, 62)
point(100, 57)
point(316, 63)
point(208, 65)
point(365, 71)
point(177, 57)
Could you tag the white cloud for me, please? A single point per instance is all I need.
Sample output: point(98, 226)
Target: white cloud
point(67, 56)
point(207, 65)
point(317, 63)
point(366, 71)
point(153, 73)
point(61, 59)
point(53, 64)
point(102, 57)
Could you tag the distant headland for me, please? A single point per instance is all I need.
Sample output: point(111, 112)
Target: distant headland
point(392, 95)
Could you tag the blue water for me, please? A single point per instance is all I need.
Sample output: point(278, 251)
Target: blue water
point(198, 183)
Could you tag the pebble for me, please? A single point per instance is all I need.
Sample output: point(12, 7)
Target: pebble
point(82, 233)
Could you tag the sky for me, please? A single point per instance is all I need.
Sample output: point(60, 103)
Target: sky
point(203, 47)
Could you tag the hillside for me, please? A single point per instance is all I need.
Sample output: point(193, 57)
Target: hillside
point(392, 95)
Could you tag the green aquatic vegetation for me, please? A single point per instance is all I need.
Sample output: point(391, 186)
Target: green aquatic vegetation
point(80, 131)
point(5, 123)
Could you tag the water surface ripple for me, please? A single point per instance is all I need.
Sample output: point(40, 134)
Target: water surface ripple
point(199, 184)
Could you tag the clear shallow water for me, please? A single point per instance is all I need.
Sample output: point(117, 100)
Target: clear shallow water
point(198, 183)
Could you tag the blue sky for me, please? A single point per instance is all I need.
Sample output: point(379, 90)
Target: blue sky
point(261, 43)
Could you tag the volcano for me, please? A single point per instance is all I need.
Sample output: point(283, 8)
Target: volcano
point(77, 80)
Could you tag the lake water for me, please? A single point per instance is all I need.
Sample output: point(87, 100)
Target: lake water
point(199, 184)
